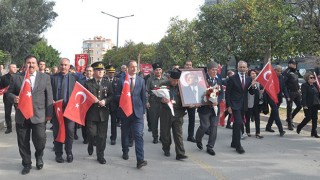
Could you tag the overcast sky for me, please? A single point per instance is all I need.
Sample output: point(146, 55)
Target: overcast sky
point(82, 19)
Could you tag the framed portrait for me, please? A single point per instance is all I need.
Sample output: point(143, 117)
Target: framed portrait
point(193, 87)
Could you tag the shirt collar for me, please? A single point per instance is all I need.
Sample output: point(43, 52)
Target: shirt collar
point(34, 74)
point(244, 74)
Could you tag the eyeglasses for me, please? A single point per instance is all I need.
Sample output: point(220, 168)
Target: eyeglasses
point(311, 77)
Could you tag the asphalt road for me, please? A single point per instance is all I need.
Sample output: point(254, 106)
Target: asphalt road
point(293, 157)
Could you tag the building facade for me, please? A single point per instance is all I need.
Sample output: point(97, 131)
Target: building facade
point(96, 48)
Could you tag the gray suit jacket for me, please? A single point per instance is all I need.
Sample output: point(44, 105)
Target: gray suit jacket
point(41, 97)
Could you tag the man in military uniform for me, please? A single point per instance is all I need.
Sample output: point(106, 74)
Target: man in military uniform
point(113, 106)
point(168, 121)
point(154, 102)
point(291, 80)
point(98, 114)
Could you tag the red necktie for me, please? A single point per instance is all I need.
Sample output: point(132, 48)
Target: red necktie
point(242, 81)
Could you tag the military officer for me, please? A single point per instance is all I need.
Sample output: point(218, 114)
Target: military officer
point(153, 102)
point(98, 114)
point(113, 106)
point(168, 121)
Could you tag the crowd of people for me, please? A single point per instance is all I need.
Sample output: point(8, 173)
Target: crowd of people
point(245, 99)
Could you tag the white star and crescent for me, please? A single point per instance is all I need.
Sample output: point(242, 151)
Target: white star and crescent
point(266, 74)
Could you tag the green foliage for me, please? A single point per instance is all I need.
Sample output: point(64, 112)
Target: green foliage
point(130, 51)
point(21, 23)
point(47, 53)
point(179, 44)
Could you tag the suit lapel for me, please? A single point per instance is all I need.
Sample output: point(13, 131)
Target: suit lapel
point(95, 85)
point(238, 80)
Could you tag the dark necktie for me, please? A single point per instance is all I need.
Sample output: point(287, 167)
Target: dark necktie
point(131, 85)
point(98, 82)
point(242, 81)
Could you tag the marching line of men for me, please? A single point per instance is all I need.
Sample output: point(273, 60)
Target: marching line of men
point(107, 89)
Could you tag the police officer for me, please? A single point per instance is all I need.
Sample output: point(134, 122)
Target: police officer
point(154, 102)
point(113, 106)
point(291, 76)
point(168, 121)
point(98, 114)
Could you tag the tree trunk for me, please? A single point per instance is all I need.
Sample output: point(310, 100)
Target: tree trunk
point(267, 56)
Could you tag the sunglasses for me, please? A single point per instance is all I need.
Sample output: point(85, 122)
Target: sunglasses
point(311, 77)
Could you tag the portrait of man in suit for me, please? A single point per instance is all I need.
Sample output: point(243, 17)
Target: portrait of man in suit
point(42, 109)
point(192, 90)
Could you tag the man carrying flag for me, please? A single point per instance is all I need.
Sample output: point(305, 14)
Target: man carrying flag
point(98, 114)
point(62, 87)
point(31, 94)
point(131, 92)
point(274, 88)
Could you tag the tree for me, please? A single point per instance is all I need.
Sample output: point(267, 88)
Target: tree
point(130, 51)
point(47, 53)
point(21, 23)
point(179, 44)
point(248, 30)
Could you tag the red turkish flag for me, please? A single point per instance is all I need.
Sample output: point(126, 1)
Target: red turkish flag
point(4, 90)
point(61, 137)
point(219, 68)
point(317, 80)
point(79, 103)
point(269, 80)
point(222, 110)
point(25, 104)
point(125, 98)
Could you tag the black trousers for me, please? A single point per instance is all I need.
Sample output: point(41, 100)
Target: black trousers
point(7, 112)
point(274, 115)
point(253, 113)
point(296, 98)
point(192, 121)
point(84, 132)
point(310, 114)
point(69, 126)
point(38, 139)
point(236, 128)
point(113, 115)
point(97, 132)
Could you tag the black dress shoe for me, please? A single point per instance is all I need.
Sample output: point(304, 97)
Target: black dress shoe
point(181, 156)
point(113, 142)
point(167, 153)
point(211, 151)
point(76, 137)
point(8, 131)
point(102, 160)
point(269, 130)
point(282, 133)
point(290, 127)
point(39, 163)
point(315, 135)
point(233, 146)
point(240, 150)
point(191, 139)
point(199, 145)
point(142, 163)
point(298, 129)
point(85, 141)
point(130, 143)
point(59, 159)
point(155, 141)
point(69, 158)
point(90, 150)
point(26, 170)
point(125, 156)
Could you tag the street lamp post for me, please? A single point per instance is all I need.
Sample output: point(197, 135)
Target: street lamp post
point(118, 18)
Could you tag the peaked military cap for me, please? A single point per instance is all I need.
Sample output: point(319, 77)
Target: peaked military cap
point(111, 68)
point(98, 65)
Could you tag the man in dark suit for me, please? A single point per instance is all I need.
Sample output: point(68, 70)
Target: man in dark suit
point(113, 106)
point(135, 121)
point(4, 82)
point(98, 114)
point(193, 90)
point(42, 109)
point(62, 87)
point(208, 118)
point(237, 102)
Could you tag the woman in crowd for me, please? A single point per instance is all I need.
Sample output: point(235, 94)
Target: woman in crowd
point(310, 103)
